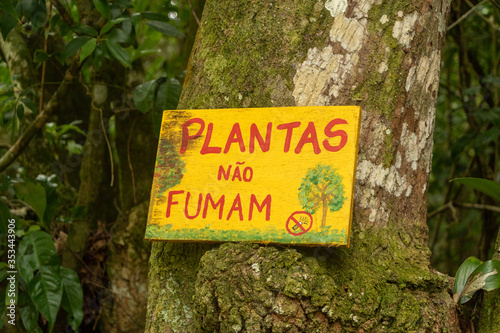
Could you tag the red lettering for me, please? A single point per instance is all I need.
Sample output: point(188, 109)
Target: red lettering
point(236, 207)
point(170, 202)
point(331, 134)
point(219, 203)
point(247, 178)
point(185, 132)
point(236, 174)
point(309, 136)
point(266, 202)
point(255, 134)
point(222, 172)
point(235, 136)
point(186, 212)
point(289, 130)
point(206, 149)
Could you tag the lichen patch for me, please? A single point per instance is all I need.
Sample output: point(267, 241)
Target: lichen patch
point(313, 75)
point(384, 19)
point(348, 32)
point(427, 73)
point(382, 68)
point(403, 30)
point(411, 149)
point(410, 78)
point(336, 7)
point(426, 130)
point(376, 176)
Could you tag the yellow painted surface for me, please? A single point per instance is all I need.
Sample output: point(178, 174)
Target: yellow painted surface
point(272, 192)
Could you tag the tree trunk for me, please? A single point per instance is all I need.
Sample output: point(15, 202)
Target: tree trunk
point(128, 250)
point(18, 57)
point(488, 319)
point(384, 56)
point(325, 211)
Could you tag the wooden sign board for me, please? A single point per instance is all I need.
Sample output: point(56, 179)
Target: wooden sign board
point(268, 175)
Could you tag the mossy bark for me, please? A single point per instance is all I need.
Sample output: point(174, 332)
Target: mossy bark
point(17, 55)
point(383, 56)
point(489, 318)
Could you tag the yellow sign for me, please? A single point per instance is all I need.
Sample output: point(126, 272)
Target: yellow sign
point(269, 175)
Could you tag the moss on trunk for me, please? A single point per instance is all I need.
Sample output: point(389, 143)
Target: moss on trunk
point(489, 318)
point(254, 54)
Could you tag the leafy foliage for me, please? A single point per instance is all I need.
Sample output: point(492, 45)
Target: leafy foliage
point(43, 283)
point(466, 139)
point(486, 186)
point(474, 275)
point(322, 186)
point(139, 37)
point(156, 96)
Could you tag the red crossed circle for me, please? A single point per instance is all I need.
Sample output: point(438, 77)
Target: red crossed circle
point(293, 222)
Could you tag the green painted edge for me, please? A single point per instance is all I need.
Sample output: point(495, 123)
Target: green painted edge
point(325, 237)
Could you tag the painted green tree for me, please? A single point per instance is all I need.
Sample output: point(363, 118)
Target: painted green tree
point(169, 167)
point(322, 186)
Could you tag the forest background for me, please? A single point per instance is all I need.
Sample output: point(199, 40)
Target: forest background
point(82, 89)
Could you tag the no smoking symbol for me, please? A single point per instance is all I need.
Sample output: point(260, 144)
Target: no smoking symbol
point(299, 223)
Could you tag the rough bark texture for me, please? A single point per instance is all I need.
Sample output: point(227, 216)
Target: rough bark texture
point(128, 250)
point(128, 273)
point(18, 57)
point(94, 165)
point(489, 320)
point(382, 55)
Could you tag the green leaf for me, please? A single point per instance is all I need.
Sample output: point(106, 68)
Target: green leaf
point(486, 186)
point(486, 276)
point(6, 6)
point(491, 268)
point(74, 148)
point(41, 56)
point(144, 96)
point(29, 6)
point(28, 102)
point(463, 273)
point(119, 53)
point(7, 23)
point(39, 267)
point(166, 98)
point(72, 300)
point(4, 216)
point(87, 49)
point(34, 195)
point(29, 316)
point(84, 30)
point(3, 272)
point(71, 127)
point(168, 95)
point(110, 24)
point(165, 28)
point(20, 111)
point(102, 7)
point(52, 196)
point(36, 250)
point(46, 292)
point(119, 36)
point(72, 47)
